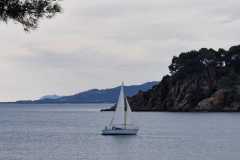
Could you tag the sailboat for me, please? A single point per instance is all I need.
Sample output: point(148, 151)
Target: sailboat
point(121, 123)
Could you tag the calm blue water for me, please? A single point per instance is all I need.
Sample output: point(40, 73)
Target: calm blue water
point(72, 132)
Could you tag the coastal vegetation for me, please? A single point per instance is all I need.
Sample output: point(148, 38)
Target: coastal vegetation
point(203, 80)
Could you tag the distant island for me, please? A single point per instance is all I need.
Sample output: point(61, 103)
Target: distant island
point(204, 80)
point(93, 96)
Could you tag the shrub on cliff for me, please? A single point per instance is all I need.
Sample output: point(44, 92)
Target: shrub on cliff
point(195, 62)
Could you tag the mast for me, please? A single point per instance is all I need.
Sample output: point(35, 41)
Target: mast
point(125, 112)
point(125, 107)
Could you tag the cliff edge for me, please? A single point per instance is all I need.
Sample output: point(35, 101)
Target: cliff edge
point(204, 80)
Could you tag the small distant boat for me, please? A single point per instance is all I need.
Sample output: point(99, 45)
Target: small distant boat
point(121, 123)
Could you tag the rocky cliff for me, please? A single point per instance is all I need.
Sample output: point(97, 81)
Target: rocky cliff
point(204, 80)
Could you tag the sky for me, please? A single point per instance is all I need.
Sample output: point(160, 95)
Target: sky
point(99, 43)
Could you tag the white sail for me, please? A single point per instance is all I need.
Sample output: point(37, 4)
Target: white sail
point(123, 111)
point(129, 111)
point(118, 117)
point(121, 123)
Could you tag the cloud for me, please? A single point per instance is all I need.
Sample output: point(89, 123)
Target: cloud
point(98, 43)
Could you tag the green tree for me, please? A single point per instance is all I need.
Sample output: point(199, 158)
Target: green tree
point(186, 63)
point(28, 12)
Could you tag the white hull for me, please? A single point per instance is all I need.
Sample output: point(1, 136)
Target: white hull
point(119, 131)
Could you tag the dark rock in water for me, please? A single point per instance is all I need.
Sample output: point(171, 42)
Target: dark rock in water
point(204, 80)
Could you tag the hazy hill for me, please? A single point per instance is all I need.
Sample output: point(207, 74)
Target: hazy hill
point(95, 95)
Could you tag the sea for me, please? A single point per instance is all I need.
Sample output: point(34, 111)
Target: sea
point(73, 132)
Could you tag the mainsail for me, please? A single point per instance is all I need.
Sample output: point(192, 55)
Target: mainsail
point(121, 116)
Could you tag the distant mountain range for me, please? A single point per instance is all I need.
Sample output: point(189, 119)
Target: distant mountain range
point(94, 95)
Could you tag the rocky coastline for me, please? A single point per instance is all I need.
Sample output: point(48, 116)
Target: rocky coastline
point(199, 81)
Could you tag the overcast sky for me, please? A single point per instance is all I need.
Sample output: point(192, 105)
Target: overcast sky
point(99, 43)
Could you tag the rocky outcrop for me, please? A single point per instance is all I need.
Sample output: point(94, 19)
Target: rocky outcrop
point(214, 102)
point(191, 94)
point(212, 88)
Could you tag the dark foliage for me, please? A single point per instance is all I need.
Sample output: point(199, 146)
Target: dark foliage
point(28, 12)
point(204, 80)
point(206, 59)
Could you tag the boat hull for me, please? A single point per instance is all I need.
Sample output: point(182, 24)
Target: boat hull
point(119, 132)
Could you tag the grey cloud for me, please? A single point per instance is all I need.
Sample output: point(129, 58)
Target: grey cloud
point(93, 44)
